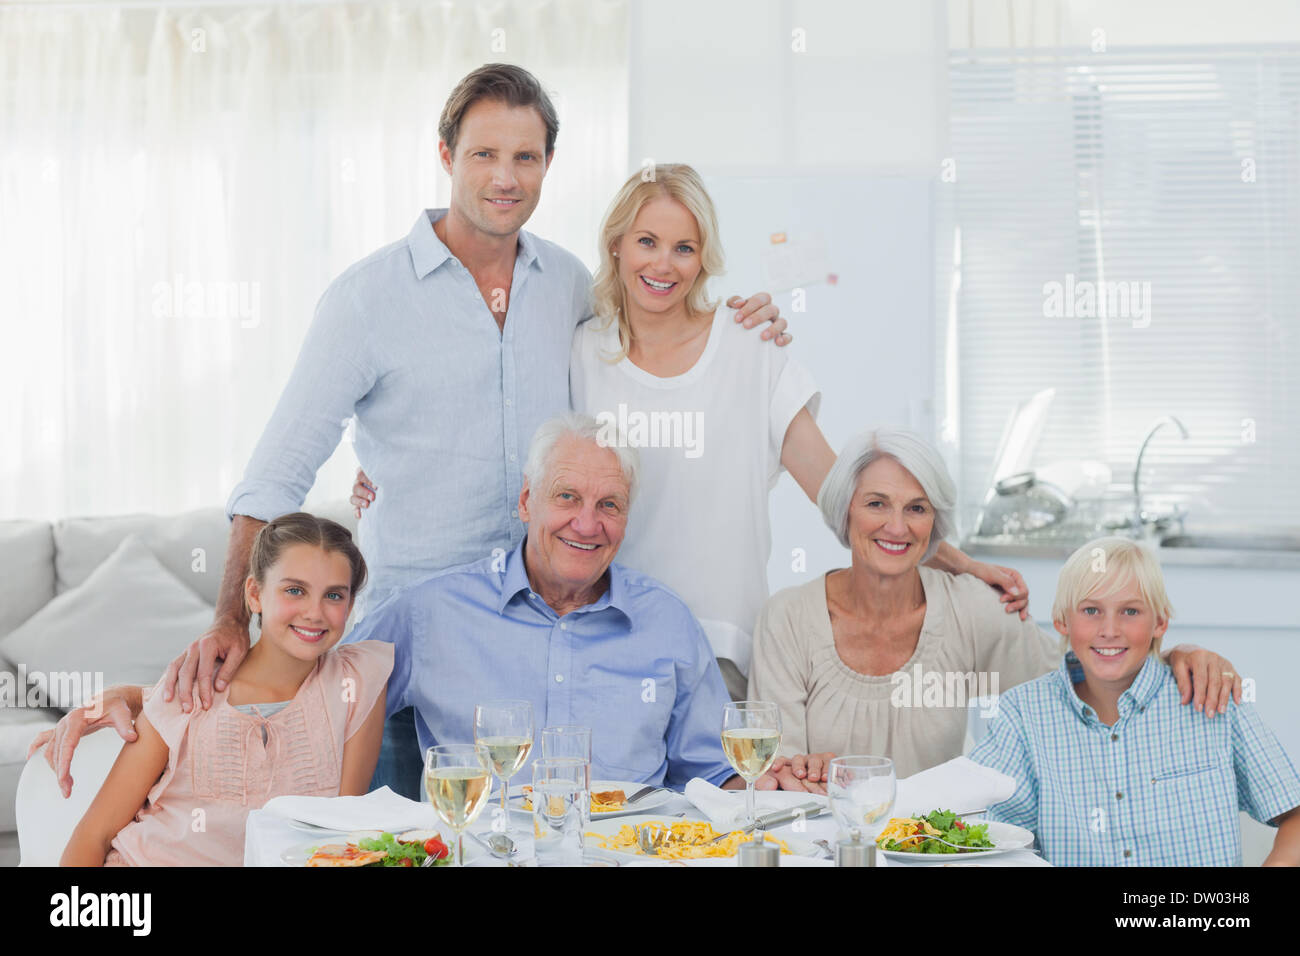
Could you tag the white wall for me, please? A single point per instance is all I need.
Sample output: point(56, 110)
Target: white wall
point(863, 105)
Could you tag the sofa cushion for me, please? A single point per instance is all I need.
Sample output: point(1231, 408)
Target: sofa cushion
point(26, 570)
point(192, 545)
point(122, 625)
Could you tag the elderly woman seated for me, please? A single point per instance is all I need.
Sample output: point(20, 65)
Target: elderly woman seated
point(882, 657)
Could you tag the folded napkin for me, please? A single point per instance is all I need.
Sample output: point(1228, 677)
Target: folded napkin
point(378, 810)
point(959, 785)
point(726, 808)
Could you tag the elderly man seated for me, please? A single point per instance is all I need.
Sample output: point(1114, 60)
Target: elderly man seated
point(556, 622)
point(559, 623)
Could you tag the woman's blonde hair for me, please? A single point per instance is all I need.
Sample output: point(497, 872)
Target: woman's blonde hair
point(1107, 565)
point(676, 181)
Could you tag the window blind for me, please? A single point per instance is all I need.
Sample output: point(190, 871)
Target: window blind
point(1124, 227)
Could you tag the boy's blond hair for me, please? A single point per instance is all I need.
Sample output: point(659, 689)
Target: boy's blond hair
point(1102, 567)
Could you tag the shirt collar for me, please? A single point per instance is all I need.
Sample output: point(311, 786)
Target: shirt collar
point(428, 251)
point(515, 582)
point(1138, 695)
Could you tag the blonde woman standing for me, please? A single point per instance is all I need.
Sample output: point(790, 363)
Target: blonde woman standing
point(715, 413)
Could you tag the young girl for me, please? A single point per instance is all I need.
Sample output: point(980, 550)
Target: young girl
point(298, 717)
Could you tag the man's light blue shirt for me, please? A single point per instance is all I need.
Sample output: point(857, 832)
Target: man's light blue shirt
point(1161, 787)
point(634, 666)
point(445, 403)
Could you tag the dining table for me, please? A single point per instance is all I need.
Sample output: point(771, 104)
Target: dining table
point(272, 839)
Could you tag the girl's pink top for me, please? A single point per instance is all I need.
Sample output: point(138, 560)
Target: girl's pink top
point(219, 768)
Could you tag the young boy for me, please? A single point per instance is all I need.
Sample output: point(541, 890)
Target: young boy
point(1111, 770)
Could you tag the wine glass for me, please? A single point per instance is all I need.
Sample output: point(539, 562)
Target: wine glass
point(457, 779)
point(505, 728)
point(561, 809)
point(861, 791)
point(751, 733)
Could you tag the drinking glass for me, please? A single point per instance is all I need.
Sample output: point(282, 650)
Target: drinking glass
point(505, 727)
point(561, 809)
point(751, 733)
point(861, 791)
point(457, 779)
point(567, 740)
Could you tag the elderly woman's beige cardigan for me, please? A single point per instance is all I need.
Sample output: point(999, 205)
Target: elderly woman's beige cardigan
point(967, 637)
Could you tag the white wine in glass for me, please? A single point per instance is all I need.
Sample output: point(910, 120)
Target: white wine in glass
point(457, 780)
point(505, 727)
point(751, 734)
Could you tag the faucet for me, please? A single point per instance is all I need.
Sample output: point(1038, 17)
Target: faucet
point(1141, 519)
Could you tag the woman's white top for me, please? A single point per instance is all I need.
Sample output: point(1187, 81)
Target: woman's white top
point(709, 442)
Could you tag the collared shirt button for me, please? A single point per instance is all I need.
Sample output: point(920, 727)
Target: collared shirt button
point(532, 595)
point(1127, 854)
point(1119, 796)
point(559, 678)
point(514, 457)
point(509, 403)
point(563, 626)
point(1114, 736)
point(514, 513)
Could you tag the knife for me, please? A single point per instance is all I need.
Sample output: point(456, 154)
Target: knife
point(768, 820)
point(639, 794)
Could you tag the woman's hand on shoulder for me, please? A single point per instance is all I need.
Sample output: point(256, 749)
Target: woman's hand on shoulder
point(363, 492)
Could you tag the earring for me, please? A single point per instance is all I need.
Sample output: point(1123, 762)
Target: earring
point(616, 255)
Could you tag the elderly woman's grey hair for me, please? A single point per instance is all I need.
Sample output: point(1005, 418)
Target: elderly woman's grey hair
point(578, 425)
point(911, 451)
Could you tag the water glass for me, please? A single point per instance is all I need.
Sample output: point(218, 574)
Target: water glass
point(561, 809)
point(861, 790)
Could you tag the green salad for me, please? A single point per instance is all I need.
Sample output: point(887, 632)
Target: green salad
point(967, 836)
point(404, 854)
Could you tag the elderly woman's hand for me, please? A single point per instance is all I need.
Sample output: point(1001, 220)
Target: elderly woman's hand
point(1205, 676)
point(1007, 582)
point(803, 772)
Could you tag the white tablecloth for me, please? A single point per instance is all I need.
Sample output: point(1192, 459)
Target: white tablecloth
point(268, 836)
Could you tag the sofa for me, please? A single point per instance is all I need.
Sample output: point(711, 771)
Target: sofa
point(86, 603)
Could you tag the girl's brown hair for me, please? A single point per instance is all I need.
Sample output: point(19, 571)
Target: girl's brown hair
point(302, 528)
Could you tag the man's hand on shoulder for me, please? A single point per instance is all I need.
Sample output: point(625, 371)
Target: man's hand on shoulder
point(115, 708)
point(226, 641)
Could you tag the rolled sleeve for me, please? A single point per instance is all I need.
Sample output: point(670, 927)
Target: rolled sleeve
point(694, 741)
point(390, 622)
point(1267, 783)
point(332, 374)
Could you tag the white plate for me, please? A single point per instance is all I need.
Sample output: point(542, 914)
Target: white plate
point(299, 855)
point(651, 801)
point(1005, 837)
point(610, 828)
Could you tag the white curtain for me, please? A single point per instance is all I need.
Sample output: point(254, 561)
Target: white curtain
point(178, 185)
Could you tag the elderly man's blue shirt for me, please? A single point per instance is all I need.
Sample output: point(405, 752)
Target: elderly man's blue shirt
point(634, 666)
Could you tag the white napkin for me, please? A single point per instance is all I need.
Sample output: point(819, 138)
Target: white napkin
point(725, 808)
point(959, 785)
point(380, 809)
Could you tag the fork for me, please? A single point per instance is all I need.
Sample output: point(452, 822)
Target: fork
point(963, 849)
